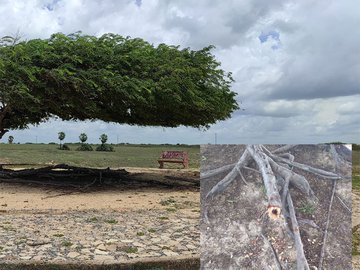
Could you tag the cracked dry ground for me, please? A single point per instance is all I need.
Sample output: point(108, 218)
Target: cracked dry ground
point(102, 226)
point(233, 237)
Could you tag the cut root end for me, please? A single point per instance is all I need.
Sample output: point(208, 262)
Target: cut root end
point(274, 212)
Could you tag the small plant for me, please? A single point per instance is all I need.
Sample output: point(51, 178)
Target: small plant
point(140, 233)
point(167, 201)
point(61, 136)
point(111, 221)
point(171, 210)
point(66, 243)
point(131, 250)
point(58, 235)
point(11, 139)
point(307, 208)
point(93, 219)
point(151, 230)
point(163, 218)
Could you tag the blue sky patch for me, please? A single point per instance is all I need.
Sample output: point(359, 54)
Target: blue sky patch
point(273, 34)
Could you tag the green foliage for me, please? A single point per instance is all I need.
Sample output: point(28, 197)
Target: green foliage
point(66, 243)
point(83, 137)
point(111, 78)
point(105, 148)
point(85, 147)
point(61, 135)
point(11, 139)
point(103, 138)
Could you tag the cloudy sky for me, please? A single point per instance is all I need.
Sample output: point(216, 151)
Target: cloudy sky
point(296, 64)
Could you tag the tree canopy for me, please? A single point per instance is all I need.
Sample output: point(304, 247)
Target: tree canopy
point(110, 78)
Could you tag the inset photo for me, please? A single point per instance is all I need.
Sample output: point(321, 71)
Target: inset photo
point(276, 206)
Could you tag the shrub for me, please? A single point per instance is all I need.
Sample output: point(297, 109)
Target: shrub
point(105, 148)
point(84, 147)
point(65, 147)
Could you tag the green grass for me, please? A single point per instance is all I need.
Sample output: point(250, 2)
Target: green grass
point(307, 208)
point(131, 250)
point(66, 244)
point(111, 221)
point(58, 235)
point(93, 219)
point(124, 155)
point(168, 201)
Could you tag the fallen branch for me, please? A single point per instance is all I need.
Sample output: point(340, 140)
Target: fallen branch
point(326, 227)
point(301, 262)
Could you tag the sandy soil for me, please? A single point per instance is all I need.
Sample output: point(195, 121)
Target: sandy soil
point(19, 197)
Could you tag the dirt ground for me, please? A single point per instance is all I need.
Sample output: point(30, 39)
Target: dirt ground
point(238, 235)
point(19, 197)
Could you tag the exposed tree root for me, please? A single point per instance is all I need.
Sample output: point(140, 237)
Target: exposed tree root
point(81, 178)
point(326, 228)
point(276, 171)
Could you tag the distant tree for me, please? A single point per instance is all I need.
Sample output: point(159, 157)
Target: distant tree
point(103, 138)
point(11, 139)
point(104, 147)
point(84, 146)
point(61, 137)
point(83, 137)
point(110, 78)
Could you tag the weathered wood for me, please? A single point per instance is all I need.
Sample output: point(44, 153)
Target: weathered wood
point(274, 200)
point(321, 261)
point(301, 262)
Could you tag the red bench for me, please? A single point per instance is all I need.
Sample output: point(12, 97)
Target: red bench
point(174, 157)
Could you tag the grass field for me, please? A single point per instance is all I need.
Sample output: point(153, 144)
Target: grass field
point(356, 169)
point(124, 155)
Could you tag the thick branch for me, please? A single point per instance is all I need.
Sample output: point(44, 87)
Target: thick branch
point(274, 206)
point(301, 262)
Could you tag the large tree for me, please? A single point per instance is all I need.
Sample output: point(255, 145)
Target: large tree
point(111, 78)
